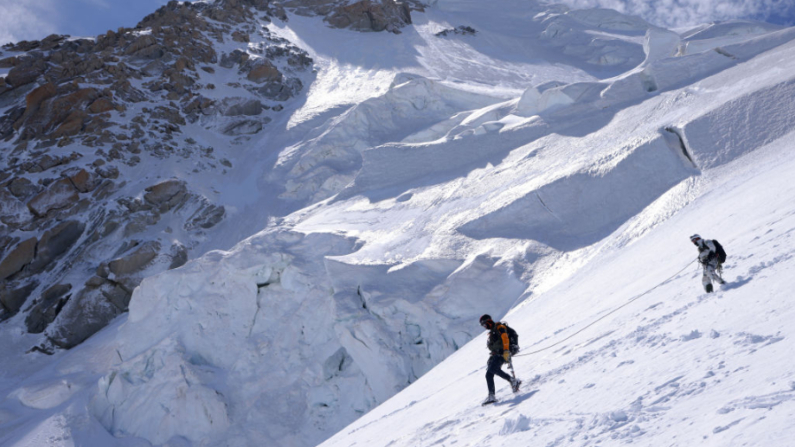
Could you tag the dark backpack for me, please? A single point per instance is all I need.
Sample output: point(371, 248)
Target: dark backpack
point(513, 338)
point(719, 251)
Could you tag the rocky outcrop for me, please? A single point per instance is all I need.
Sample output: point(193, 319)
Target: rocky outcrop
point(82, 218)
point(83, 181)
point(13, 212)
point(245, 127)
point(60, 194)
point(369, 15)
point(88, 311)
point(55, 242)
point(136, 260)
point(22, 188)
point(12, 298)
point(362, 15)
point(47, 307)
point(248, 107)
point(263, 71)
point(17, 258)
point(461, 30)
point(166, 195)
point(206, 217)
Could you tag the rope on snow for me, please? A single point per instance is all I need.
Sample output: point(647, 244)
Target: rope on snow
point(607, 314)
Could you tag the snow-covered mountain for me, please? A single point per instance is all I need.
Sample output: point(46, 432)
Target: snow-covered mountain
point(373, 194)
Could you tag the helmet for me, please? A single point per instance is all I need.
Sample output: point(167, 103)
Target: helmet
point(695, 239)
point(485, 319)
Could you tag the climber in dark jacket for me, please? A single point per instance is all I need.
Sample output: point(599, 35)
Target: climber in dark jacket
point(499, 347)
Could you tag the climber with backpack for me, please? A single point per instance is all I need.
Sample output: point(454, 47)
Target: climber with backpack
point(502, 343)
point(711, 256)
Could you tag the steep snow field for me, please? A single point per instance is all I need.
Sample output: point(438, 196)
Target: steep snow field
point(658, 361)
point(550, 167)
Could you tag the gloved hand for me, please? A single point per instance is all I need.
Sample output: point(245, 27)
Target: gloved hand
point(507, 356)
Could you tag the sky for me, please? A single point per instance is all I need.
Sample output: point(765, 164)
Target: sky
point(35, 19)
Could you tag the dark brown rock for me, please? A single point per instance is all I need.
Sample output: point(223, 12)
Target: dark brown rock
point(140, 43)
point(249, 107)
point(245, 127)
point(55, 242)
point(182, 63)
point(104, 190)
point(108, 171)
point(25, 74)
point(9, 62)
point(179, 256)
point(34, 99)
point(95, 281)
point(60, 194)
point(118, 295)
point(206, 217)
point(83, 181)
point(13, 212)
point(166, 195)
point(281, 91)
point(368, 15)
point(101, 105)
point(51, 42)
point(18, 258)
point(264, 71)
point(23, 188)
point(236, 57)
point(72, 125)
point(242, 37)
point(47, 307)
point(84, 314)
point(48, 161)
point(12, 298)
point(135, 261)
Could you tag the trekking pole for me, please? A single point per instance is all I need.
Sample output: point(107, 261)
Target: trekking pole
point(510, 365)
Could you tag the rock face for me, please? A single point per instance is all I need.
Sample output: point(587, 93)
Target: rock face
point(80, 226)
point(61, 194)
point(55, 242)
point(18, 258)
point(135, 261)
point(12, 299)
point(92, 132)
point(47, 307)
point(166, 195)
point(361, 15)
point(368, 15)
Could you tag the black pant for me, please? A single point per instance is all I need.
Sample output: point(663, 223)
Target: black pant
point(495, 367)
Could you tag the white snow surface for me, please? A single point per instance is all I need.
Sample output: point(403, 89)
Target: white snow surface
point(549, 170)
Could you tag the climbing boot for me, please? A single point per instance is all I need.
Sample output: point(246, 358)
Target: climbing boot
point(490, 400)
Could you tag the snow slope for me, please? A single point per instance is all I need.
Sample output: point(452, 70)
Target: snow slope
point(554, 163)
point(658, 362)
point(629, 349)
